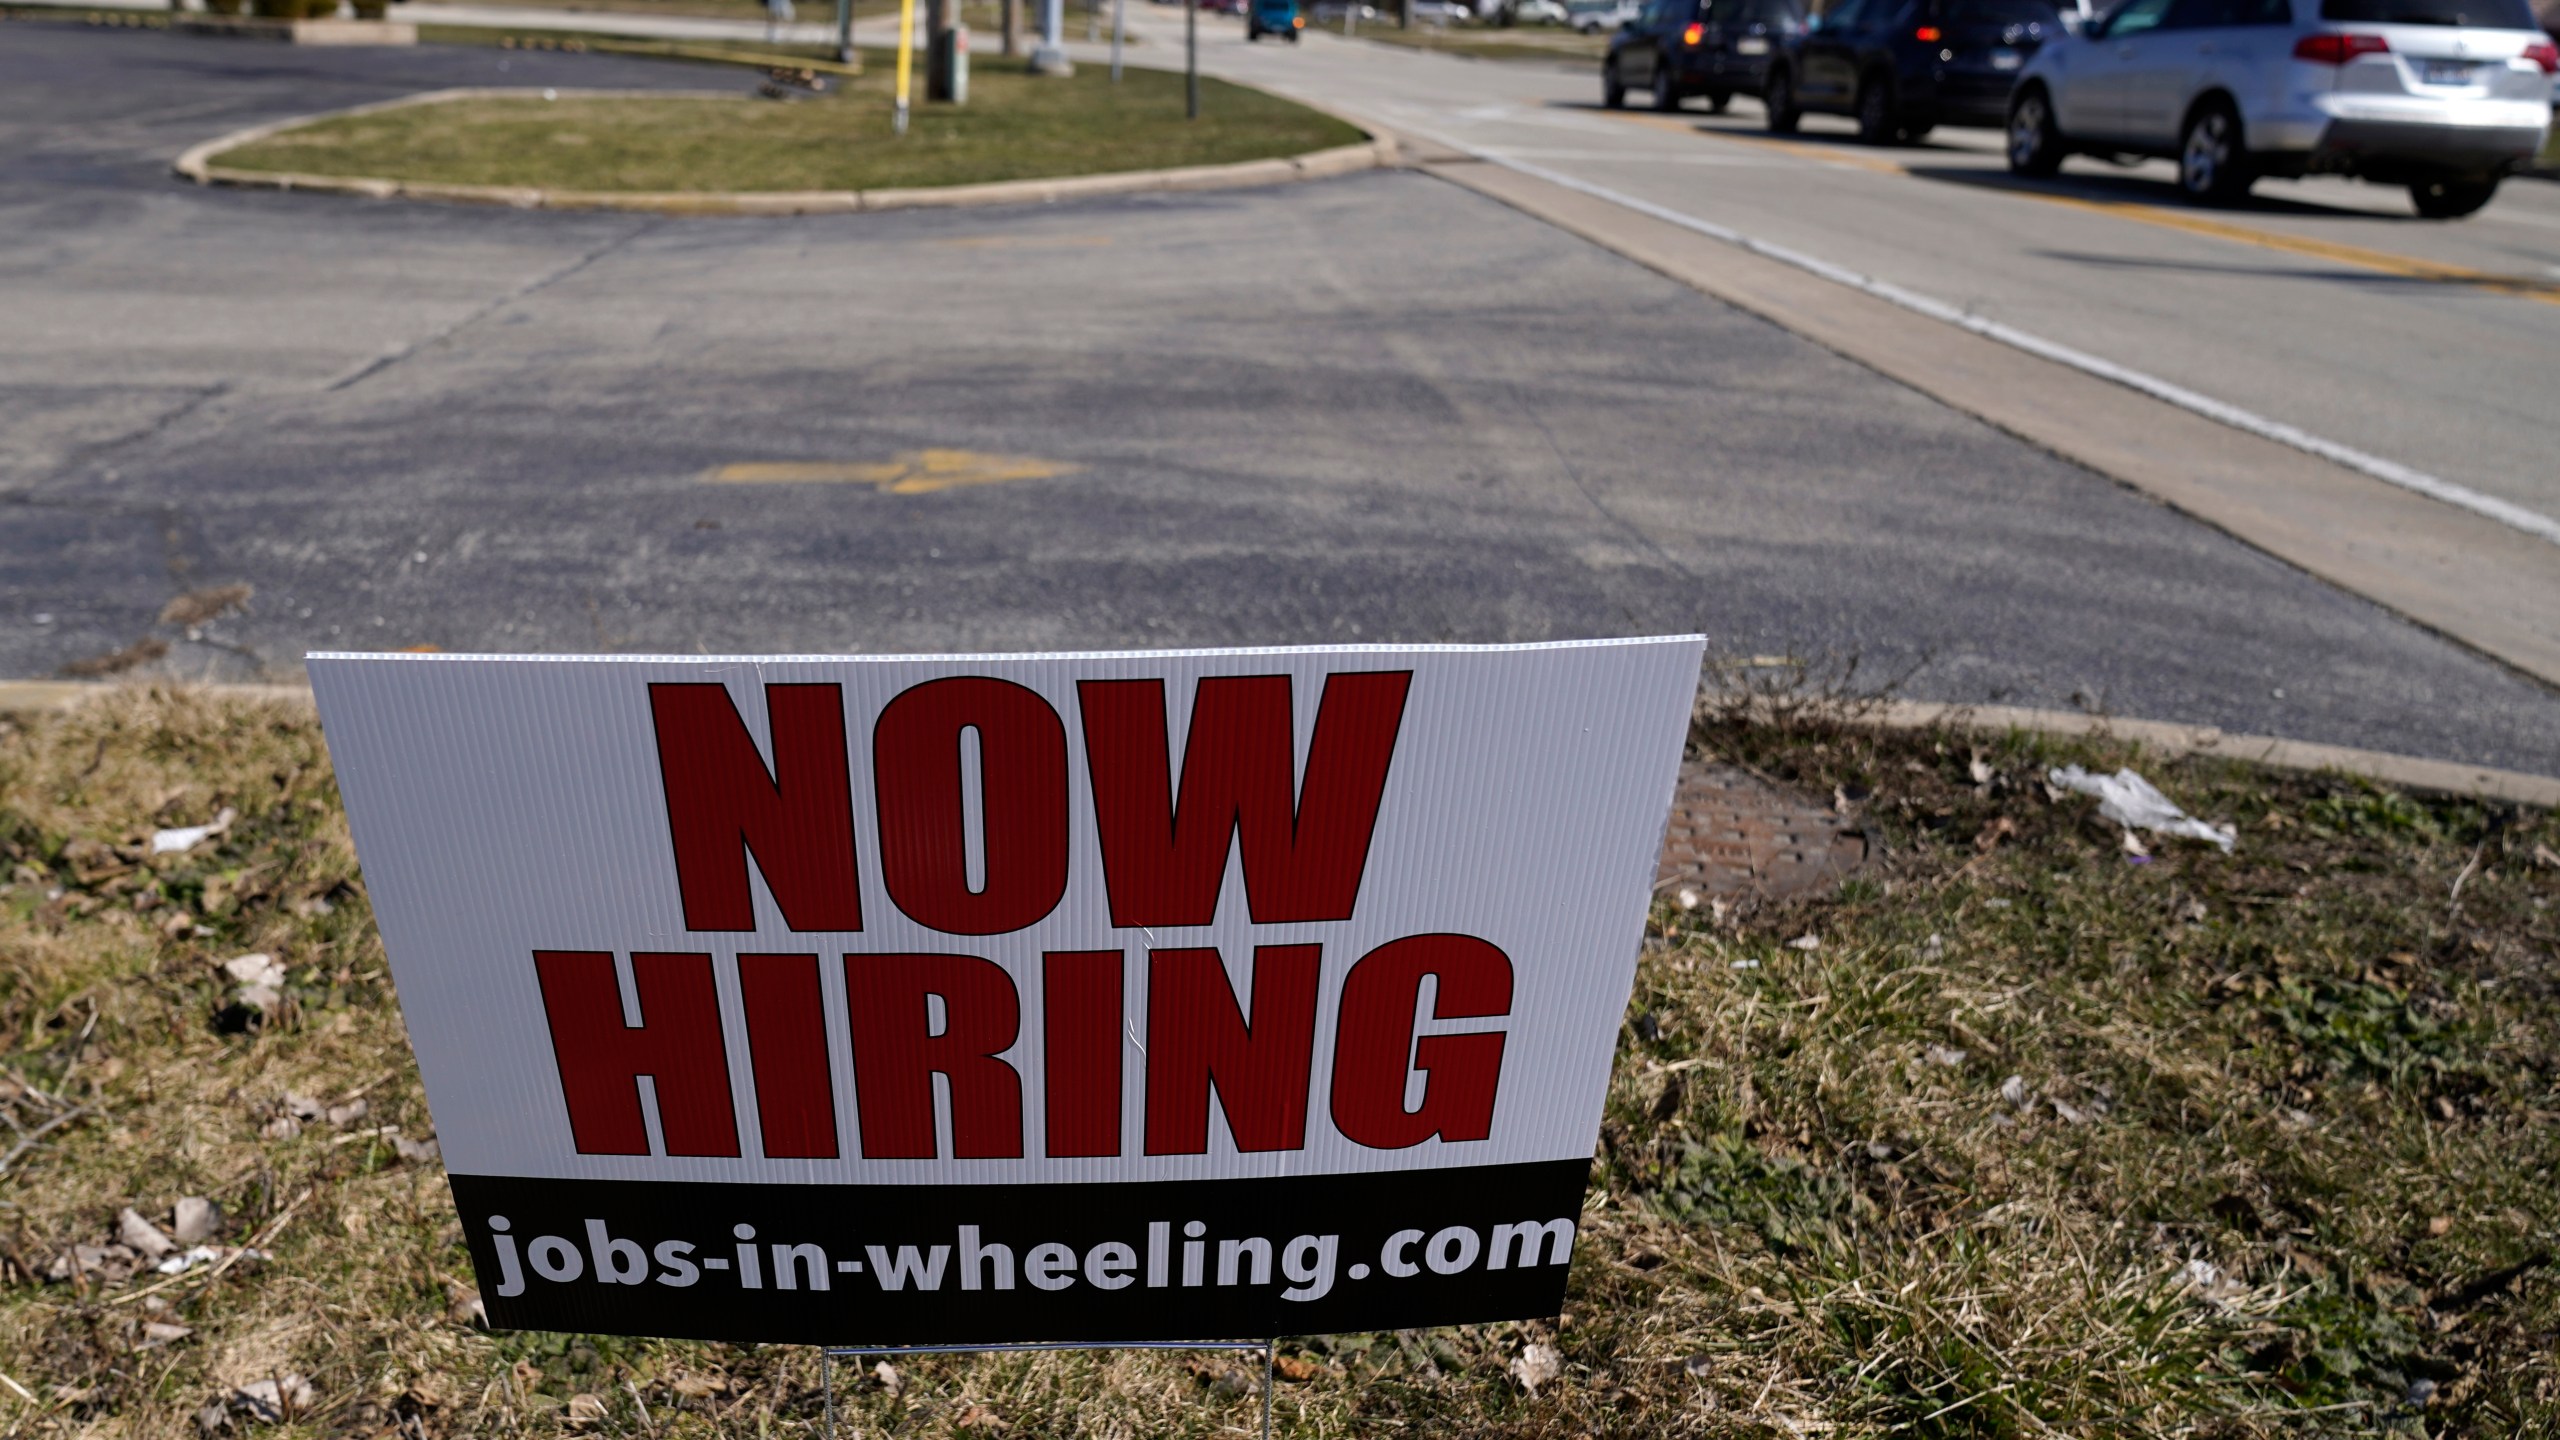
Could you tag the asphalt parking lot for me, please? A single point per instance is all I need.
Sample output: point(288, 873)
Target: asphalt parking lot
point(1377, 408)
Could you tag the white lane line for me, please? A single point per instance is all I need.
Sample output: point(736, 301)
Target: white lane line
point(1644, 157)
point(2390, 472)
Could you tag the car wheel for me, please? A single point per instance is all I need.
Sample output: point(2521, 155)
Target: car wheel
point(1719, 100)
point(2035, 146)
point(1613, 93)
point(1875, 112)
point(1666, 90)
point(2213, 163)
point(1780, 98)
point(2451, 199)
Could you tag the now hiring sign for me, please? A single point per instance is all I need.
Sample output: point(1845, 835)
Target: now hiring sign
point(1007, 998)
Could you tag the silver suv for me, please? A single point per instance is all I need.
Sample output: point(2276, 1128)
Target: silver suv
point(2446, 97)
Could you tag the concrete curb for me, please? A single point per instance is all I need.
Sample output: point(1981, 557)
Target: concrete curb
point(197, 165)
point(2409, 772)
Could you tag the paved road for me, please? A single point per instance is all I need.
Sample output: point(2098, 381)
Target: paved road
point(1287, 421)
point(2438, 372)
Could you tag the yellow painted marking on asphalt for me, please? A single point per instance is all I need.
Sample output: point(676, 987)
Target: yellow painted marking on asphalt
point(910, 472)
point(2381, 261)
point(2384, 261)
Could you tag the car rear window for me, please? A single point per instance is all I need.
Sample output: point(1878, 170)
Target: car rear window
point(2484, 14)
point(2003, 12)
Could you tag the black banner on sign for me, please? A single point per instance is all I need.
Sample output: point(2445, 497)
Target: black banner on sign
point(991, 1264)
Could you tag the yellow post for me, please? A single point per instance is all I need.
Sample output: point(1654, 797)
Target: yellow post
point(906, 59)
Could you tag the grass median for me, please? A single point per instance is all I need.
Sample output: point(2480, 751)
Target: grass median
point(1015, 127)
point(2017, 1133)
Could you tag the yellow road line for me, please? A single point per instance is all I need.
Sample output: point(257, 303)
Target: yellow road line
point(914, 472)
point(2381, 261)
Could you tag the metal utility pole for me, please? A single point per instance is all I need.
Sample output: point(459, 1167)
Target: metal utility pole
point(1049, 57)
point(1012, 13)
point(1191, 59)
point(844, 32)
point(1404, 14)
point(1119, 29)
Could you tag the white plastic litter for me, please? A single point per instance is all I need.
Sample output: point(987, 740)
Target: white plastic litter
point(188, 837)
point(2135, 803)
point(184, 1261)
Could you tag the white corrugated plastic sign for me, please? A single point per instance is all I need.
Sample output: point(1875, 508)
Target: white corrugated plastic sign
point(1014, 997)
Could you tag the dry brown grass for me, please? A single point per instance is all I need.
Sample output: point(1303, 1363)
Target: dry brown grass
point(2279, 1149)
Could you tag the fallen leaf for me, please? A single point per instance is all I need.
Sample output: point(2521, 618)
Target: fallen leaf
point(272, 1401)
point(1297, 1368)
point(116, 662)
point(2441, 1225)
point(283, 1127)
point(1946, 1057)
point(1805, 942)
point(1688, 899)
point(254, 969)
point(890, 1380)
point(345, 1115)
point(303, 1107)
point(196, 1220)
point(586, 1409)
point(197, 606)
point(417, 1152)
point(1980, 770)
point(161, 1332)
point(2014, 1089)
point(145, 1237)
point(2071, 1114)
point(108, 1262)
point(978, 1417)
point(703, 1387)
point(1538, 1364)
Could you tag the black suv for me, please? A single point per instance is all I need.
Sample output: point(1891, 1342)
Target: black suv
point(1715, 48)
point(1903, 66)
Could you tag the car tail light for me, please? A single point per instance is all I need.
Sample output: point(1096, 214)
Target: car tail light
point(1693, 35)
point(2544, 54)
point(1927, 35)
point(2338, 49)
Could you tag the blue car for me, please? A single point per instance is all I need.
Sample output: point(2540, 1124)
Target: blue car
point(1273, 17)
